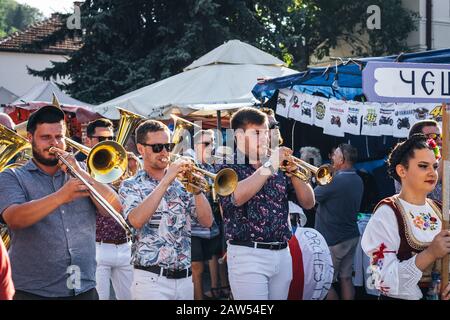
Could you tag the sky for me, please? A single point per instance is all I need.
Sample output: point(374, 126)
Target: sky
point(47, 7)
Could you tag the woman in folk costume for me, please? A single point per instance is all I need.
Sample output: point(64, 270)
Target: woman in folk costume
point(404, 238)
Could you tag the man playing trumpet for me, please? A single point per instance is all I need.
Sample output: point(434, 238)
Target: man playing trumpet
point(256, 213)
point(51, 217)
point(160, 209)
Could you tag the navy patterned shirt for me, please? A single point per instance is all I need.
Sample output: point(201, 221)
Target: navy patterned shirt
point(264, 218)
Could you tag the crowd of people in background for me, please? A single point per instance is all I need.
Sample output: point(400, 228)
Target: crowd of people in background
point(189, 244)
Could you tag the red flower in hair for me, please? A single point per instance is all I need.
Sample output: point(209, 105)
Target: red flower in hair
point(433, 146)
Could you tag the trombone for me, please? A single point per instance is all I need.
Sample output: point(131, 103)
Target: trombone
point(323, 174)
point(95, 195)
point(107, 161)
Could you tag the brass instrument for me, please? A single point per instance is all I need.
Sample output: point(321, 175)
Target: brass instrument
point(224, 182)
point(11, 144)
point(107, 161)
point(5, 237)
point(323, 174)
point(95, 195)
point(181, 127)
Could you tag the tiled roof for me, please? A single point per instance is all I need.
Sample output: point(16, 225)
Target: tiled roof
point(40, 30)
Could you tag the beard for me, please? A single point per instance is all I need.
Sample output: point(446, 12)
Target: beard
point(39, 157)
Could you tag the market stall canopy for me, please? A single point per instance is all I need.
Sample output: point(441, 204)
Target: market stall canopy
point(42, 94)
point(6, 96)
point(220, 80)
point(343, 81)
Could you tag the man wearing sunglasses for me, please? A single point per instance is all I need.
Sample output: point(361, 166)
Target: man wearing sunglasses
point(160, 210)
point(432, 130)
point(113, 250)
point(207, 242)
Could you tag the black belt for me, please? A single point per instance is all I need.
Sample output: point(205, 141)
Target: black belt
point(169, 274)
point(116, 242)
point(260, 245)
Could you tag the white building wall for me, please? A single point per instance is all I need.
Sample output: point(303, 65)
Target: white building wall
point(13, 69)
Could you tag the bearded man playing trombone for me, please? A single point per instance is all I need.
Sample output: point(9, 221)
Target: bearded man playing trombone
point(160, 209)
point(256, 213)
point(51, 217)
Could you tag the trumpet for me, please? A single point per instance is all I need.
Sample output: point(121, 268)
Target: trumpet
point(224, 182)
point(323, 174)
point(94, 193)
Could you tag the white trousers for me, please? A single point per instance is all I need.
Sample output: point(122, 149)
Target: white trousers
point(113, 265)
point(151, 286)
point(259, 274)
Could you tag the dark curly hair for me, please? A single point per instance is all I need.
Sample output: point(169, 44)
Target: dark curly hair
point(404, 151)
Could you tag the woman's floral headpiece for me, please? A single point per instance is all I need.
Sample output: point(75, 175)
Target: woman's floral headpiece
point(433, 146)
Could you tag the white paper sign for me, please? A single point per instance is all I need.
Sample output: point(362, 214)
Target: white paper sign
point(295, 110)
point(386, 119)
point(306, 108)
point(404, 118)
point(370, 119)
point(334, 117)
point(284, 97)
point(352, 123)
point(320, 111)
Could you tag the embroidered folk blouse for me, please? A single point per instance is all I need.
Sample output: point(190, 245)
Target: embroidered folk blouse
point(381, 242)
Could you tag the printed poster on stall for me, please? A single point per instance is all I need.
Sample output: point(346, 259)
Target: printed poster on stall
point(320, 110)
point(386, 118)
point(306, 108)
point(283, 102)
point(404, 117)
point(352, 123)
point(295, 110)
point(370, 119)
point(334, 117)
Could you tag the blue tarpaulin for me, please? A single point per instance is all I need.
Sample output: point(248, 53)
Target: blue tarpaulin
point(347, 79)
point(347, 76)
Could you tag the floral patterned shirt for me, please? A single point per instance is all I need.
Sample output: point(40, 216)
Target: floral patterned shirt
point(165, 240)
point(264, 218)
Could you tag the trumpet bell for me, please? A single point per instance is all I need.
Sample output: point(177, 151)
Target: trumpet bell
point(324, 175)
point(107, 161)
point(225, 182)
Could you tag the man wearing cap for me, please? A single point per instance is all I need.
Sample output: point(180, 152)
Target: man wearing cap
point(51, 217)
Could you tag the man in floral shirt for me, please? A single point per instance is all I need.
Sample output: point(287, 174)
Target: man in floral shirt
point(160, 209)
point(256, 213)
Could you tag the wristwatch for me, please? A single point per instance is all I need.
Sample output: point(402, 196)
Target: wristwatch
point(268, 164)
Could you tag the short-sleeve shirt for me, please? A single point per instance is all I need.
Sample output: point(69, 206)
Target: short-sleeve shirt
point(165, 240)
point(45, 254)
point(339, 203)
point(264, 218)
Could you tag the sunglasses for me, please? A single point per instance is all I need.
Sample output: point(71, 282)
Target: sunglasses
point(434, 136)
point(274, 125)
point(206, 143)
point(100, 139)
point(158, 147)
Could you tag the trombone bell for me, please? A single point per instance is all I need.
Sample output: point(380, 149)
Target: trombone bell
point(107, 161)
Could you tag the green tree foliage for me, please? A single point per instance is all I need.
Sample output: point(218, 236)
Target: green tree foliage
point(133, 43)
point(15, 17)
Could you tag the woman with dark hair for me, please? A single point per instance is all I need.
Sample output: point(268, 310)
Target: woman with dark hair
point(404, 238)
